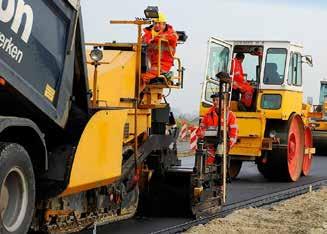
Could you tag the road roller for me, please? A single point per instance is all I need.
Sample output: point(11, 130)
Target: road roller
point(274, 132)
point(318, 120)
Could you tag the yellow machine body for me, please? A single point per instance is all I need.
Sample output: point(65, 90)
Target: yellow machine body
point(318, 120)
point(250, 135)
point(291, 103)
point(99, 152)
point(116, 88)
point(320, 126)
point(252, 125)
point(319, 112)
point(116, 79)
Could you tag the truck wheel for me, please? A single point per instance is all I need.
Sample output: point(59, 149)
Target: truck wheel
point(17, 184)
point(235, 168)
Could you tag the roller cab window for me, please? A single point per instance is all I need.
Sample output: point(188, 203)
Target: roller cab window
point(218, 58)
point(275, 66)
point(295, 70)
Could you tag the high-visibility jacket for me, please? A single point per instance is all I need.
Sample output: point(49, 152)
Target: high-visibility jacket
point(151, 38)
point(211, 120)
point(237, 70)
point(241, 84)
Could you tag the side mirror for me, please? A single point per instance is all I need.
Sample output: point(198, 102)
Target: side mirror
point(307, 59)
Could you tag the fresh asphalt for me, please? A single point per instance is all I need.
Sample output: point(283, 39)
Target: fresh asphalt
point(250, 184)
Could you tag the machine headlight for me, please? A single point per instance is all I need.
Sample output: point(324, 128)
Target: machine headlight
point(96, 55)
point(151, 12)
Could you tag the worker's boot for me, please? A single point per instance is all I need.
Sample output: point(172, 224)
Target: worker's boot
point(157, 80)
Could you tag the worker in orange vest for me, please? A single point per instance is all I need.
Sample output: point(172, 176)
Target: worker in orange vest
point(159, 30)
point(210, 119)
point(239, 82)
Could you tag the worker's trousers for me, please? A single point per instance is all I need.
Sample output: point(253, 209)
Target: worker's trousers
point(153, 72)
point(246, 91)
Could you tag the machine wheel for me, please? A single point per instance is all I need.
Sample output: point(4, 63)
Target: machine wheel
point(17, 184)
point(234, 168)
point(307, 158)
point(284, 161)
point(295, 148)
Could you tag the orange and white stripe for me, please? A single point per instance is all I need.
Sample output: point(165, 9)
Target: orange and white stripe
point(183, 133)
point(194, 139)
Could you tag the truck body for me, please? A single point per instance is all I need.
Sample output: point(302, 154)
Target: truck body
point(38, 53)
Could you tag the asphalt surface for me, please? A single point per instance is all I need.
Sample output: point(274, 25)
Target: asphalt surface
point(250, 184)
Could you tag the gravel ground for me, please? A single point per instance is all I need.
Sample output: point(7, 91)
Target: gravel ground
point(302, 214)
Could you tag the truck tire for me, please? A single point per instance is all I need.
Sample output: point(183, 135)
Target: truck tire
point(17, 194)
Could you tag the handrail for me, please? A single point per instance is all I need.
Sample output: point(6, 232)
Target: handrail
point(180, 69)
point(136, 22)
point(95, 81)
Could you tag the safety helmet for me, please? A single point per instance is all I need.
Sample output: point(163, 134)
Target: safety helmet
point(161, 19)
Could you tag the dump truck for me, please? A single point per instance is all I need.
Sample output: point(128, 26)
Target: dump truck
point(318, 120)
point(80, 141)
point(274, 132)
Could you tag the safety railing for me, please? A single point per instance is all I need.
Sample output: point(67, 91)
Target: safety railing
point(174, 81)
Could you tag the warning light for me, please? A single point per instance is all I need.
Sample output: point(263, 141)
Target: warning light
point(2, 81)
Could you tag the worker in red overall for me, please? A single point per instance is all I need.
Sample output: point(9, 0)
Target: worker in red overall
point(210, 119)
point(159, 30)
point(239, 81)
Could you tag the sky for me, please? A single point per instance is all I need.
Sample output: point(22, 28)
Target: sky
point(299, 21)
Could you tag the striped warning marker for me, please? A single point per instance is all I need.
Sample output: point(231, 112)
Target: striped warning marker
point(183, 133)
point(194, 139)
